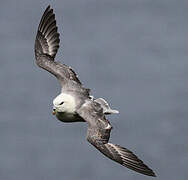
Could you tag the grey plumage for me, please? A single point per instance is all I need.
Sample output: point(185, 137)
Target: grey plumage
point(74, 104)
point(98, 135)
point(46, 47)
point(106, 108)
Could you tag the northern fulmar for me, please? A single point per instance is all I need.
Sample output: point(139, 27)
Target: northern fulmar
point(74, 103)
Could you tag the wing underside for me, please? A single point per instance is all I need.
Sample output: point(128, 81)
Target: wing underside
point(98, 135)
point(47, 39)
point(46, 47)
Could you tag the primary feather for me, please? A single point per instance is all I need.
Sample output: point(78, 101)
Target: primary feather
point(46, 47)
point(47, 40)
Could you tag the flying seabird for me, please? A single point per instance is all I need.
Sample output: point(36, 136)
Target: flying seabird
point(74, 103)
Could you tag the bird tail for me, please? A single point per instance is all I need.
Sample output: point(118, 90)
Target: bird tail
point(106, 108)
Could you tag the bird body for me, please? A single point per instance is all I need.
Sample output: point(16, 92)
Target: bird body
point(69, 117)
point(74, 103)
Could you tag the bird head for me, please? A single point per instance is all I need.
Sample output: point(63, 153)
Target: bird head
point(64, 103)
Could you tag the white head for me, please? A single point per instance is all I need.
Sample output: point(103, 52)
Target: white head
point(64, 103)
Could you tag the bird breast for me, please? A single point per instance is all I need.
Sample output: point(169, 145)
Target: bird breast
point(68, 117)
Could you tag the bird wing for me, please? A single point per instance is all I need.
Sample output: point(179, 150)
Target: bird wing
point(46, 47)
point(98, 134)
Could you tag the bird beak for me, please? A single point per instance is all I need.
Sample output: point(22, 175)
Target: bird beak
point(54, 112)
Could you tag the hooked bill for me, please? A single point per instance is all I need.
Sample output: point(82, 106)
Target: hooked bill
point(53, 112)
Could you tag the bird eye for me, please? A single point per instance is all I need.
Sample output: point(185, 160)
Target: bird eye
point(61, 103)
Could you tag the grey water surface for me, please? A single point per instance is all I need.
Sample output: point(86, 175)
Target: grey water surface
point(134, 53)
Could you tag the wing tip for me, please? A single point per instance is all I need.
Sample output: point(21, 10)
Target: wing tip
point(48, 38)
point(143, 169)
point(48, 8)
point(154, 175)
point(131, 161)
point(150, 173)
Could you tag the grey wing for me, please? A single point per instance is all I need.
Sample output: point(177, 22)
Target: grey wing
point(46, 47)
point(98, 135)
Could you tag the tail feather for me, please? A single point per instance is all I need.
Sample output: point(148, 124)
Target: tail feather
point(106, 108)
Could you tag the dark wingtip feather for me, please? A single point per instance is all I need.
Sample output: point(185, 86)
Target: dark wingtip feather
point(47, 39)
point(129, 160)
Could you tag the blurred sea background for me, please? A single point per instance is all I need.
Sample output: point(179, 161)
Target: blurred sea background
point(133, 53)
